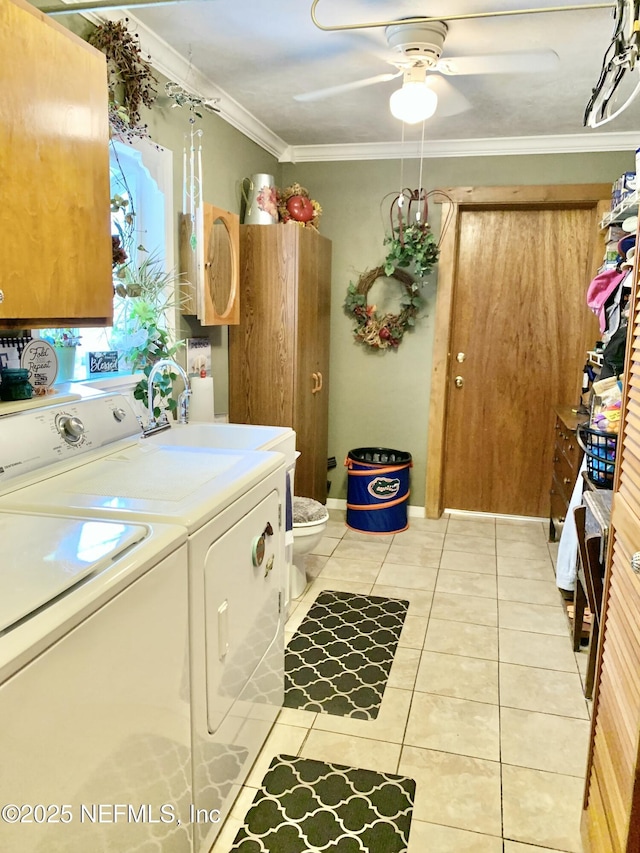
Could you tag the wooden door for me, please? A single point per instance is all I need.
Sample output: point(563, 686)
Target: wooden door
point(519, 331)
point(54, 173)
point(611, 822)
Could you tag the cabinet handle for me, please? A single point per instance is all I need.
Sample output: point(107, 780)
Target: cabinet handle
point(571, 447)
point(566, 481)
point(320, 385)
point(561, 519)
point(635, 562)
point(316, 387)
point(1, 296)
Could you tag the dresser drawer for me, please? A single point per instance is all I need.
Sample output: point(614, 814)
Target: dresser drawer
point(563, 472)
point(570, 448)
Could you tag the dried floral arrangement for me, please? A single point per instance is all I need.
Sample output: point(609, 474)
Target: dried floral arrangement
point(132, 84)
point(294, 204)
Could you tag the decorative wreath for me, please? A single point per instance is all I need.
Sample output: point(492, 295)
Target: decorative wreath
point(371, 328)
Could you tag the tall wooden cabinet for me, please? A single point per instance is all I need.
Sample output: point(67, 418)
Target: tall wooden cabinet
point(54, 174)
point(279, 352)
point(611, 820)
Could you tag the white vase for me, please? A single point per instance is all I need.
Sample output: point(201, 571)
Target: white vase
point(66, 363)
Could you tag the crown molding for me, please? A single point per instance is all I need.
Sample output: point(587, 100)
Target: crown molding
point(499, 146)
point(169, 62)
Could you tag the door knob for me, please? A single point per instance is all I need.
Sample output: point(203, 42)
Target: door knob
point(459, 381)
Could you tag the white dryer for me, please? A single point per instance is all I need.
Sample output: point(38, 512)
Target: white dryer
point(94, 686)
point(232, 504)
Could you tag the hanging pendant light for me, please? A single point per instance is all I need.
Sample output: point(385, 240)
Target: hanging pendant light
point(415, 101)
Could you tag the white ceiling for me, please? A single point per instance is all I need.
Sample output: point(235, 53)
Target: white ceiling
point(257, 54)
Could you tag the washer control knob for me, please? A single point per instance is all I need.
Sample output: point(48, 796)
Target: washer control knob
point(119, 414)
point(70, 428)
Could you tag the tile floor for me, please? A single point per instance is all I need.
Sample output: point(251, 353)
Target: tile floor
point(484, 707)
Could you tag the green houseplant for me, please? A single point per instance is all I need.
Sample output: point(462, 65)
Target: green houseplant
point(64, 342)
point(146, 294)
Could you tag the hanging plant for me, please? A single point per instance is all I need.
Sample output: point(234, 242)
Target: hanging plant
point(382, 331)
point(130, 78)
point(411, 241)
point(414, 244)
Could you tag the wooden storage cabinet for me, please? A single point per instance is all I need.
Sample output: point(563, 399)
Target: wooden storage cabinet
point(567, 458)
point(54, 173)
point(279, 352)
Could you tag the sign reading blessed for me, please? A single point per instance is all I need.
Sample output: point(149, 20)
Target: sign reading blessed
point(103, 362)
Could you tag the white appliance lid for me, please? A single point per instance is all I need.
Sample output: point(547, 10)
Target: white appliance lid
point(44, 556)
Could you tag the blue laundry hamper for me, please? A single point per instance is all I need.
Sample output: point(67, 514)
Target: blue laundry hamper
point(377, 489)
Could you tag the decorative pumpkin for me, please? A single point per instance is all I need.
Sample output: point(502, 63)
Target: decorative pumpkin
point(295, 205)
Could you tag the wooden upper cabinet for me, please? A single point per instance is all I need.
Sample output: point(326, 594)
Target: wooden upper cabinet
point(211, 285)
point(279, 353)
point(54, 175)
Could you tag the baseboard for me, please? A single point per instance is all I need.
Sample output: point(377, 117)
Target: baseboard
point(463, 513)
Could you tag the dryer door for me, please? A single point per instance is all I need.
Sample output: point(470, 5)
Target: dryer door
point(243, 577)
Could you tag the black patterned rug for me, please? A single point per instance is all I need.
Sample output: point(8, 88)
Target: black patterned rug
point(306, 805)
point(338, 660)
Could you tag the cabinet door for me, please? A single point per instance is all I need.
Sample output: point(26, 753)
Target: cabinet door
point(312, 364)
point(262, 347)
point(211, 285)
point(54, 173)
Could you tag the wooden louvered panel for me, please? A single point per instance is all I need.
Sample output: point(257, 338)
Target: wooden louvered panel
point(614, 812)
point(617, 714)
point(599, 832)
point(624, 723)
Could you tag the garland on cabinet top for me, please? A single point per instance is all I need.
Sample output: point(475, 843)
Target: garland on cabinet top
point(131, 82)
point(412, 246)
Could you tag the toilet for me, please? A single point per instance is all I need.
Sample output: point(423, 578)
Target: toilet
point(309, 524)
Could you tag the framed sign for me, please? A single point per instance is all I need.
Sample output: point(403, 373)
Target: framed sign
point(103, 362)
point(39, 358)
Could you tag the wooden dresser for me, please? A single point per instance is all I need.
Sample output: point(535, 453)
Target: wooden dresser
point(567, 458)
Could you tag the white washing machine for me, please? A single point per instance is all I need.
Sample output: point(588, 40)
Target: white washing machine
point(94, 686)
point(232, 504)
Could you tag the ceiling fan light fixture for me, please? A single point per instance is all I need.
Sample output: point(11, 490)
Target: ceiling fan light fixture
point(414, 102)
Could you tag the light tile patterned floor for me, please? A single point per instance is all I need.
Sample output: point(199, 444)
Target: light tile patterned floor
point(484, 706)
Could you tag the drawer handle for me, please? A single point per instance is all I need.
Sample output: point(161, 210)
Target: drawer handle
point(635, 562)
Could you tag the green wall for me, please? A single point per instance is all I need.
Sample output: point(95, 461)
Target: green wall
point(382, 398)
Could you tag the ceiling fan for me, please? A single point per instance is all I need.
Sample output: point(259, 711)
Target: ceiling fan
point(416, 52)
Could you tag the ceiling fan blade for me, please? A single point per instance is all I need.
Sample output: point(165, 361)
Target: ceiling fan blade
point(501, 63)
point(451, 102)
point(319, 94)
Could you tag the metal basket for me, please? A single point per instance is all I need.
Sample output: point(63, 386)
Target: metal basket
point(600, 448)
